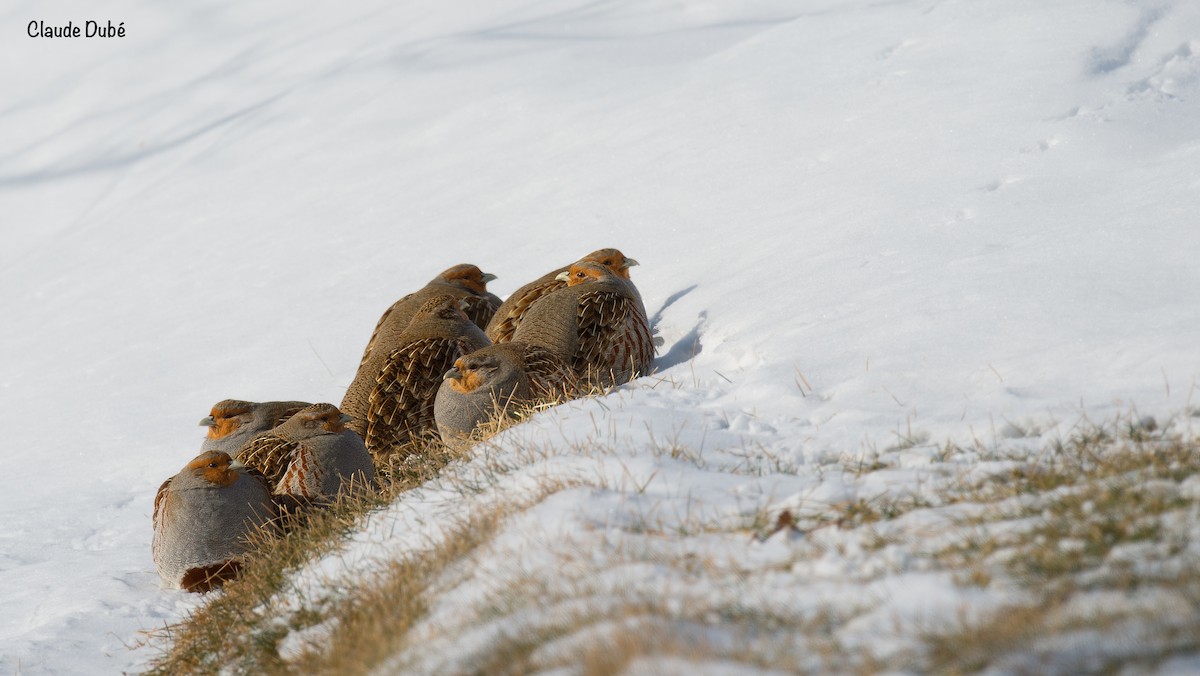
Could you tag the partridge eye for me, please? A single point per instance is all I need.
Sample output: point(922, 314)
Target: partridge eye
point(213, 465)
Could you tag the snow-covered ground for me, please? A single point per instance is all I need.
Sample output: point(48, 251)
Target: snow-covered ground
point(861, 224)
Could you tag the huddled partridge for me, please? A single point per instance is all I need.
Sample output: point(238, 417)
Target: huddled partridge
point(504, 323)
point(597, 325)
point(495, 380)
point(202, 518)
point(391, 397)
point(312, 455)
point(464, 281)
point(234, 422)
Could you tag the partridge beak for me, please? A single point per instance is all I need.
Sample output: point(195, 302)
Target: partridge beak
point(563, 276)
point(236, 464)
point(208, 422)
point(487, 277)
point(452, 374)
point(346, 417)
point(629, 263)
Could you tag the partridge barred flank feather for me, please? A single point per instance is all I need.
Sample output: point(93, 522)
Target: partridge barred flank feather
point(494, 380)
point(391, 397)
point(597, 324)
point(506, 320)
point(234, 422)
point(312, 455)
point(202, 518)
point(464, 281)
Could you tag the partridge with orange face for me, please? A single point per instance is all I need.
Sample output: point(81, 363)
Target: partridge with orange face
point(596, 324)
point(464, 281)
point(233, 422)
point(312, 455)
point(202, 518)
point(506, 320)
point(391, 398)
point(495, 381)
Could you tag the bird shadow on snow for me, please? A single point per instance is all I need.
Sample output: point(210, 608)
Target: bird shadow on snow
point(688, 346)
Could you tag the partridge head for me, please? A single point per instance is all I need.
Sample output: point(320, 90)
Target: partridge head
point(271, 452)
point(504, 323)
point(464, 276)
point(234, 422)
point(496, 381)
point(391, 397)
point(596, 323)
point(314, 456)
point(465, 282)
point(203, 517)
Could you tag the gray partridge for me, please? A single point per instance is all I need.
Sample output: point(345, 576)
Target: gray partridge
point(202, 518)
point(312, 455)
point(596, 324)
point(233, 422)
point(463, 281)
point(493, 381)
point(391, 397)
point(504, 323)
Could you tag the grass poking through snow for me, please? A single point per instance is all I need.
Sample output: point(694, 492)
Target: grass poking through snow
point(1077, 556)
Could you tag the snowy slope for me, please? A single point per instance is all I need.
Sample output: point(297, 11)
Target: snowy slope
point(859, 224)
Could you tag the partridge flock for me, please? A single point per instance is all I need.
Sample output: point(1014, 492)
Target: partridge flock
point(441, 362)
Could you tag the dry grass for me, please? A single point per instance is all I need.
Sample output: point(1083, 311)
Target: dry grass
point(235, 625)
point(1081, 530)
point(604, 641)
point(368, 627)
point(1054, 638)
point(417, 462)
point(244, 623)
point(1100, 515)
point(583, 624)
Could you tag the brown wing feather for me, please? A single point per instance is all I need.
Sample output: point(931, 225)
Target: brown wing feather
point(268, 454)
point(378, 325)
point(550, 377)
point(640, 344)
point(286, 414)
point(258, 476)
point(401, 403)
point(304, 475)
point(480, 309)
point(503, 326)
point(599, 316)
point(159, 497)
point(615, 343)
point(635, 342)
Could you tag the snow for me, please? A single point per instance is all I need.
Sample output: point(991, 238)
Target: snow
point(864, 228)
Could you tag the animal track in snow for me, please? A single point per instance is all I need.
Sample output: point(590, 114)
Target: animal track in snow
point(959, 217)
point(1000, 183)
point(1072, 113)
point(1175, 76)
point(891, 51)
point(1041, 146)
